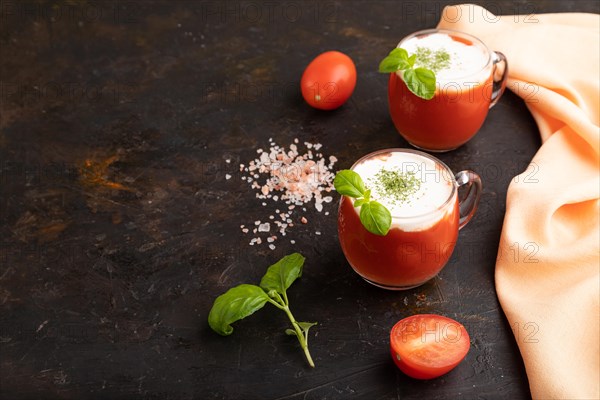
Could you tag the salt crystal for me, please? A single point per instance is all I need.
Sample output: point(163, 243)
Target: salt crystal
point(319, 207)
point(327, 199)
point(317, 232)
point(245, 230)
point(266, 227)
point(292, 241)
point(227, 160)
point(227, 176)
point(272, 246)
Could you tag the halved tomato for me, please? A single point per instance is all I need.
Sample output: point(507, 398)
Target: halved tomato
point(425, 346)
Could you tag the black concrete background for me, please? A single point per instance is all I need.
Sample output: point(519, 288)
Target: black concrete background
point(118, 228)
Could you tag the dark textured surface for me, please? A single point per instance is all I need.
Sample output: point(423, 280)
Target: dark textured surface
point(118, 228)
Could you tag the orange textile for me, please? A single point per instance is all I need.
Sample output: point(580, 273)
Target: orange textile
point(547, 271)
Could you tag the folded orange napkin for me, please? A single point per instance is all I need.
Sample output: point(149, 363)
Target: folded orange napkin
point(547, 272)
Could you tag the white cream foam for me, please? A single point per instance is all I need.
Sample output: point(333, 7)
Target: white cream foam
point(421, 210)
point(465, 60)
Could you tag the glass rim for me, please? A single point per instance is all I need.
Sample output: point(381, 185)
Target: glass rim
point(436, 160)
point(427, 32)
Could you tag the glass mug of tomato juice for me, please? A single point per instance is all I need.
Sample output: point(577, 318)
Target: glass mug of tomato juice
point(470, 79)
point(425, 218)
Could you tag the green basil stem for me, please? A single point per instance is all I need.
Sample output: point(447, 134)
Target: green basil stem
point(282, 304)
point(302, 338)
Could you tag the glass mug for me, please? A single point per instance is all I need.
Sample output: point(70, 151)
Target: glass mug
point(464, 93)
point(424, 231)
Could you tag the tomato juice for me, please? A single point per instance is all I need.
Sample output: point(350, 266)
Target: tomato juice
point(447, 121)
point(425, 220)
point(400, 259)
point(465, 90)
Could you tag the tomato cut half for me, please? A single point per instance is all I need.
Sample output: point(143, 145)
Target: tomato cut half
point(425, 346)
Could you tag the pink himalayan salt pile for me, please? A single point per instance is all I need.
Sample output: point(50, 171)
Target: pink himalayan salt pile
point(292, 178)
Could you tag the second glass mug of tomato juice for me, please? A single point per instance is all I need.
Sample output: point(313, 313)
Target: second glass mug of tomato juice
point(470, 79)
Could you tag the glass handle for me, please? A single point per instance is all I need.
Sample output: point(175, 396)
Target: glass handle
point(469, 201)
point(499, 75)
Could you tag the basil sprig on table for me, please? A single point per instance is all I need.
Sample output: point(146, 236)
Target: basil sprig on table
point(243, 300)
point(375, 217)
point(420, 81)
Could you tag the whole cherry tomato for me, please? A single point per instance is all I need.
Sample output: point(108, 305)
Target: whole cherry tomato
point(329, 80)
point(425, 346)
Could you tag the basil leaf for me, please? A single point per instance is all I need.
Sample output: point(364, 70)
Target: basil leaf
point(375, 218)
point(349, 183)
point(283, 273)
point(421, 82)
point(411, 60)
point(399, 52)
point(367, 195)
point(395, 61)
point(305, 326)
point(235, 304)
point(360, 202)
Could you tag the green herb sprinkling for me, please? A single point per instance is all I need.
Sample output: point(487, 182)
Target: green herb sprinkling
point(434, 60)
point(396, 186)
